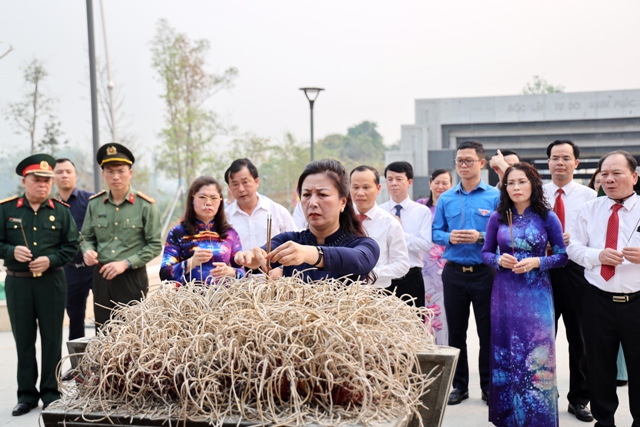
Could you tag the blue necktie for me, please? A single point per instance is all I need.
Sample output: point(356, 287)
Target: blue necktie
point(398, 207)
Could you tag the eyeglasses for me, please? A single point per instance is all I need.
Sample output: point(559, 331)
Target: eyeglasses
point(520, 183)
point(467, 162)
point(204, 199)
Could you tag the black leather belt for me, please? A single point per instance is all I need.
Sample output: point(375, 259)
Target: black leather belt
point(467, 268)
point(31, 274)
point(617, 297)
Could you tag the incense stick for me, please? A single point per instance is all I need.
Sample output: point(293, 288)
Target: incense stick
point(269, 224)
point(26, 243)
point(510, 220)
point(635, 227)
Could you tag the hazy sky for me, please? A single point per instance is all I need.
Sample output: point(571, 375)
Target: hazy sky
point(373, 57)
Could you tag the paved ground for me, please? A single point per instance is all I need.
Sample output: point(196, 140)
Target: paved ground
point(472, 412)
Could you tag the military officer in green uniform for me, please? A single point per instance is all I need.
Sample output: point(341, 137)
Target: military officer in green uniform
point(37, 237)
point(120, 234)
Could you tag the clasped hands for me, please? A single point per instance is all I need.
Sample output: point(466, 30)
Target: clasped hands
point(510, 262)
point(464, 236)
point(38, 265)
point(200, 256)
point(109, 271)
point(612, 257)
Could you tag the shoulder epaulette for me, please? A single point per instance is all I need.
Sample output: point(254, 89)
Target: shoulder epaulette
point(60, 201)
point(97, 194)
point(8, 199)
point(145, 197)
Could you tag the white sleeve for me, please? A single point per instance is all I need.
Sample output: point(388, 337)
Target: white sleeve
point(579, 250)
point(398, 264)
point(285, 221)
point(421, 242)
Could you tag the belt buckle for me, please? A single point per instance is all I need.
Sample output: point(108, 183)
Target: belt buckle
point(620, 298)
point(467, 269)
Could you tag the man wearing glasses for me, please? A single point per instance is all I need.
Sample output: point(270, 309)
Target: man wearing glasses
point(120, 234)
point(460, 222)
point(566, 197)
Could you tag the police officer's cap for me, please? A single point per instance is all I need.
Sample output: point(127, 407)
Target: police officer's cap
point(38, 165)
point(114, 153)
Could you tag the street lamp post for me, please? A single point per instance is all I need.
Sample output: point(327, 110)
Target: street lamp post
point(312, 94)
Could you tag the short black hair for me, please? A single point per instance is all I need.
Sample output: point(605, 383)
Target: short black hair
point(237, 165)
point(364, 168)
point(400, 167)
point(64, 159)
point(473, 145)
point(631, 161)
point(576, 149)
point(507, 152)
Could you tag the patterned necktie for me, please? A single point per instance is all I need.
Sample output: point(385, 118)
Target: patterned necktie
point(607, 271)
point(362, 217)
point(558, 208)
point(398, 207)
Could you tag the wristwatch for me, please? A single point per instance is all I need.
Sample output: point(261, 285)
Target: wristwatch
point(480, 239)
point(320, 256)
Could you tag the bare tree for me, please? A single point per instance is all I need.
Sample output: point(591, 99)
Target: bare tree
point(25, 115)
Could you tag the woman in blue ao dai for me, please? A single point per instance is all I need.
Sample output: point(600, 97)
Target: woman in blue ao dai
point(203, 245)
point(523, 390)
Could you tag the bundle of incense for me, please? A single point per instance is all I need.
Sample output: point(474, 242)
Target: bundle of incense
point(510, 220)
point(269, 223)
point(26, 243)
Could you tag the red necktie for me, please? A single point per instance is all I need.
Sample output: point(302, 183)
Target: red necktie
point(607, 271)
point(362, 217)
point(558, 208)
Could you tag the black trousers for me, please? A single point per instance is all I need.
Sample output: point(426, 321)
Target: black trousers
point(569, 286)
point(37, 303)
point(132, 285)
point(79, 283)
point(461, 290)
point(410, 286)
point(608, 324)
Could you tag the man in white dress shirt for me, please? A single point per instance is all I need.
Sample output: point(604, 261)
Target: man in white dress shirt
point(416, 223)
point(566, 197)
point(606, 241)
point(248, 214)
point(380, 225)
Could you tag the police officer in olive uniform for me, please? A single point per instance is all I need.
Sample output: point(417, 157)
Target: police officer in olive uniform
point(37, 237)
point(121, 234)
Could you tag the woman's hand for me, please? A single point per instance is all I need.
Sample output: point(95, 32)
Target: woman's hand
point(254, 258)
point(507, 261)
point(221, 270)
point(526, 265)
point(200, 256)
point(275, 273)
point(291, 253)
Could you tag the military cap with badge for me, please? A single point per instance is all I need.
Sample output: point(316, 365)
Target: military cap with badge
point(114, 153)
point(38, 165)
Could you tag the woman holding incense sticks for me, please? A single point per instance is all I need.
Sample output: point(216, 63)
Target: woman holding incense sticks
point(523, 368)
point(202, 247)
point(334, 245)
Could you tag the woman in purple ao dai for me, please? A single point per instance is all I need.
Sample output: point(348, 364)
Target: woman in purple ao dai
point(523, 390)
